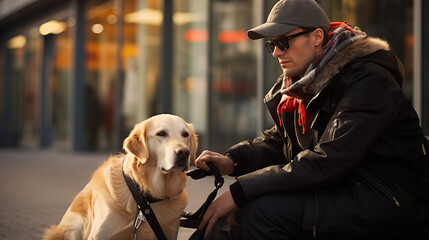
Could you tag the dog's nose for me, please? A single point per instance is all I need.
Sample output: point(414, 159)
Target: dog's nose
point(182, 152)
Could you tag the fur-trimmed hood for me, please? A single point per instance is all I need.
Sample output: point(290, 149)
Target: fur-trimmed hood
point(358, 49)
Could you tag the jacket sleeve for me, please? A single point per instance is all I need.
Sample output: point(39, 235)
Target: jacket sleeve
point(263, 151)
point(366, 108)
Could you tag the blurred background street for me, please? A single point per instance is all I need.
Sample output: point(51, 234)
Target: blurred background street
point(36, 188)
point(76, 75)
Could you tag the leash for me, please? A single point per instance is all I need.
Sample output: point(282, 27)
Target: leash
point(145, 211)
point(192, 220)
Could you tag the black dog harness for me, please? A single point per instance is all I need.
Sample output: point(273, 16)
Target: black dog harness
point(145, 211)
point(189, 220)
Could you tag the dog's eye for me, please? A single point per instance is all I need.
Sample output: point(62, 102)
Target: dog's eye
point(161, 134)
point(185, 134)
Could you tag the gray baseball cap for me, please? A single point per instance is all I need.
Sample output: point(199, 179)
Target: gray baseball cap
point(287, 15)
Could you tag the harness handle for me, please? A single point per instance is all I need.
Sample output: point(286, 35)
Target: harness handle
point(218, 177)
point(192, 220)
point(200, 173)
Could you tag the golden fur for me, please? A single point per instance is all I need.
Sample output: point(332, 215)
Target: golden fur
point(105, 208)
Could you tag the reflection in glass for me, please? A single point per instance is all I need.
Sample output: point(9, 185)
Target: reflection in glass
point(394, 25)
point(190, 63)
point(30, 129)
point(233, 75)
point(59, 85)
point(141, 59)
point(101, 68)
point(14, 64)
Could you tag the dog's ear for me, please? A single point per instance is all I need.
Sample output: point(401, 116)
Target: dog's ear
point(136, 143)
point(194, 143)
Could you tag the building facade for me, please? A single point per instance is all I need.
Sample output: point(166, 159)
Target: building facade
point(77, 75)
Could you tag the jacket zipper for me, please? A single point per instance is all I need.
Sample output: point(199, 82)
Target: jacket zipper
point(424, 149)
point(334, 128)
point(317, 215)
point(383, 189)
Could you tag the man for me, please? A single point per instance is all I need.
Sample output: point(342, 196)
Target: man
point(346, 158)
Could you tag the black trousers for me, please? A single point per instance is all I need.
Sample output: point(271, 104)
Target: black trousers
point(281, 220)
point(280, 216)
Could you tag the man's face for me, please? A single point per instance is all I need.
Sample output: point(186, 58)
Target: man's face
point(302, 51)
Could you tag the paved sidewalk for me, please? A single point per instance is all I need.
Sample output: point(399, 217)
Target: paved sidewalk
point(36, 188)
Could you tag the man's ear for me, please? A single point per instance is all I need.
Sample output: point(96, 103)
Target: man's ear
point(194, 143)
point(136, 143)
point(318, 37)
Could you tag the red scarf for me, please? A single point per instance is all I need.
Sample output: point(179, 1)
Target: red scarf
point(289, 105)
point(335, 25)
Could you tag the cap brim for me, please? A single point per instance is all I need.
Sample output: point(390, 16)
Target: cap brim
point(269, 30)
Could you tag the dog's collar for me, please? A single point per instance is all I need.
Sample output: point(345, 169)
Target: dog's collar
point(139, 196)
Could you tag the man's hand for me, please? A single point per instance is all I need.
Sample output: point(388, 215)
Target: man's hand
point(222, 162)
point(223, 206)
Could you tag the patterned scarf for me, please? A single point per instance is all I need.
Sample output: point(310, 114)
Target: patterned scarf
point(294, 97)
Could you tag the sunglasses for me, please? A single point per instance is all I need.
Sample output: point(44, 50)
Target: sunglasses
point(282, 42)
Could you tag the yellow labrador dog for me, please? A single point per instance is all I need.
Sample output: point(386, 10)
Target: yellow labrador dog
point(158, 151)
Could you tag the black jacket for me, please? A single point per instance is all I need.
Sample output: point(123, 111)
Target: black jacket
point(366, 163)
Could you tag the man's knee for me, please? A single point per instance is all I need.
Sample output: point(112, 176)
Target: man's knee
point(274, 209)
point(256, 208)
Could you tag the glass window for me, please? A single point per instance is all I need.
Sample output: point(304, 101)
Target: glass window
point(101, 68)
point(394, 25)
point(31, 123)
point(36, 83)
point(59, 83)
point(190, 63)
point(233, 74)
point(14, 68)
point(55, 83)
point(141, 60)
point(273, 69)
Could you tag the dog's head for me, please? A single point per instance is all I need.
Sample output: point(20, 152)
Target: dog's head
point(165, 140)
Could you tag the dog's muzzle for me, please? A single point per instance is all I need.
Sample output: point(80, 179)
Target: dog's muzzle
point(180, 160)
